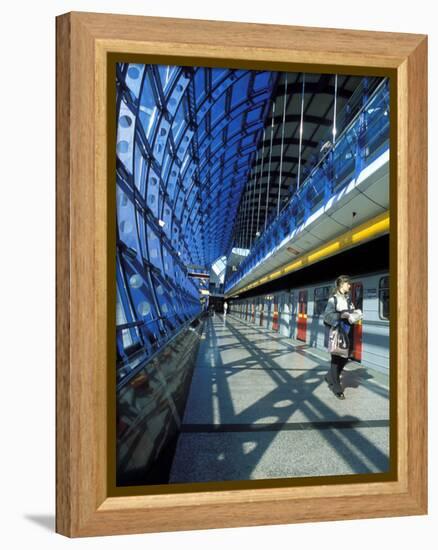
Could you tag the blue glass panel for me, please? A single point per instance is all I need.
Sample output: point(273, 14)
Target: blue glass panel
point(166, 73)
point(184, 144)
point(140, 171)
point(134, 77)
point(218, 75)
point(148, 110)
point(161, 137)
point(172, 182)
point(153, 193)
point(235, 126)
point(202, 129)
point(200, 86)
point(179, 122)
point(124, 313)
point(254, 115)
point(125, 136)
point(142, 300)
point(177, 93)
point(167, 162)
point(261, 81)
point(167, 218)
point(231, 151)
point(154, 247)
point(167, 311)
point(126, 221)
point(217, 111)
point(168, 261)
point(142, 232)
point(249, 140)
point(240, 91)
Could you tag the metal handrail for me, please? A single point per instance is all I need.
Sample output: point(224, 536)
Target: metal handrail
point(153, 356)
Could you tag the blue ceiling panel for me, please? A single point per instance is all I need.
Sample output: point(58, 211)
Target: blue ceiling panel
point(199, 130)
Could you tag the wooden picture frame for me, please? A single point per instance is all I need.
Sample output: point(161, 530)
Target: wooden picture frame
point(84, 43)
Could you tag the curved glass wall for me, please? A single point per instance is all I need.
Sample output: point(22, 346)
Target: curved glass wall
point(186, 138)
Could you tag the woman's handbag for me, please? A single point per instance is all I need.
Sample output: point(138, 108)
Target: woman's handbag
point(338, 344)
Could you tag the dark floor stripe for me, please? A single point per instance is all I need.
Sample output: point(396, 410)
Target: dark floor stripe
point(208, 366)
point(284, 426)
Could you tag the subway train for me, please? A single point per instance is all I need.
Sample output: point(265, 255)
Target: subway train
point(298, 314)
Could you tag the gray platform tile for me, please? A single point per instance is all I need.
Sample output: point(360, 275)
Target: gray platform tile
point(267, 455)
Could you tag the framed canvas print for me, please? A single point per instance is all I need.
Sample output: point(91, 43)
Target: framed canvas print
point(241, 216)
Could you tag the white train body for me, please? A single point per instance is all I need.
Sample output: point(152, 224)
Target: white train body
point(298, 314)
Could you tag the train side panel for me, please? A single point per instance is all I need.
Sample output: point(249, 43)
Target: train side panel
point(299, 314)
point(375, 334)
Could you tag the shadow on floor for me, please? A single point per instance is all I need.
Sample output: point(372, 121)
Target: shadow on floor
point(45, 521)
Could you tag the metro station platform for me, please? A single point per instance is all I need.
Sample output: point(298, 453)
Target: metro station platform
point(259, 408)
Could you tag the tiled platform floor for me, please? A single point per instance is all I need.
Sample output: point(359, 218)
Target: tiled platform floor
point(259, 408)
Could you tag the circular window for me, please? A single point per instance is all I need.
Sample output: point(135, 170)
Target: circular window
point(123, 147)
point(125, 121)
point(144, 308)
point(135, 281)
point(133, 73)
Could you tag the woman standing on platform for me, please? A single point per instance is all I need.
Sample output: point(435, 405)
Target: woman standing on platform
point(338, 310)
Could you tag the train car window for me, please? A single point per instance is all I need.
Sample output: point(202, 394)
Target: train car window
point(321, 297)
point(357, 296)
point(384, 298)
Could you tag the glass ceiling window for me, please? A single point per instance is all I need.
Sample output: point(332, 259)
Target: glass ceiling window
point(219, 268)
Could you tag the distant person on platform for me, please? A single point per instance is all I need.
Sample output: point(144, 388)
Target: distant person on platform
point(225, 309)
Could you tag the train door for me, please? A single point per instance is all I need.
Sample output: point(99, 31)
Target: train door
point(280, 313)
point(285, 315)
point(267, 311)
point(356, 331)
point(275, 315)
point(302, 315)
point(292, 315)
